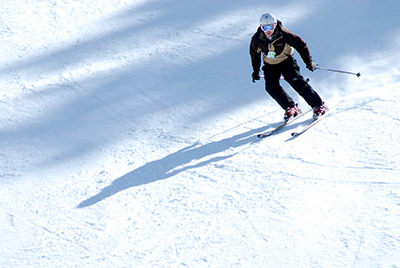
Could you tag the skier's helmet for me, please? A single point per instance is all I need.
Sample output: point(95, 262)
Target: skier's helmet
point(268, 19)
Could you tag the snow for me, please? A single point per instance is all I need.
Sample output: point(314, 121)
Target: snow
point(128, 137)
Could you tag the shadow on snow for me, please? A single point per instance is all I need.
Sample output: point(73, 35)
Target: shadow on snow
point(173, 164)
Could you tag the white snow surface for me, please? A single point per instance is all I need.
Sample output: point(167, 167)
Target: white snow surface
point(128, 137)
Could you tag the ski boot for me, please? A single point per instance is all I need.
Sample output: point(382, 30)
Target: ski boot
point(291, 112)
point(319, 111)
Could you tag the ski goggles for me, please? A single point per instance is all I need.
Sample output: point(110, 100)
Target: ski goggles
point(269, 27)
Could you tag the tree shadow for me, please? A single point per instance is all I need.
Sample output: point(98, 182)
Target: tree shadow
point(96, 104)
point(176, 163)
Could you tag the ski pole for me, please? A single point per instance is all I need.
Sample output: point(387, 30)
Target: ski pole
point(262, 76)
point(338, 71)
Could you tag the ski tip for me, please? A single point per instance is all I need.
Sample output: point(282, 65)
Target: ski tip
point(264, 135)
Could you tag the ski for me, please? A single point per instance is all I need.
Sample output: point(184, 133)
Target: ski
point(298, 133)
point(270, 132)
point(313, 123)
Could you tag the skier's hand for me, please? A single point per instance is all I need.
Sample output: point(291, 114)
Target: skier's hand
point(255, 76)
point(311, 66)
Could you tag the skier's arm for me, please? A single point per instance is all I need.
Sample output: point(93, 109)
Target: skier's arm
point(300, 45)
point(255, 54)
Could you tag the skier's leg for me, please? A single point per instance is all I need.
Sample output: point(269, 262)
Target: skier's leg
point(272, 86)
point(291, 73)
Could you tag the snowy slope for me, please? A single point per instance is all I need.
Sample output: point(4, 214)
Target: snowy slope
point(127, 133)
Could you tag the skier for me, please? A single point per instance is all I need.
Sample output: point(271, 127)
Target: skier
point(275, 43)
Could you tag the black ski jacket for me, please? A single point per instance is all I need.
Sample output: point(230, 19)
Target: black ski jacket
point(278, 49)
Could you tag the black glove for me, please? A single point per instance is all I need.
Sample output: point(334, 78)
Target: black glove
point(311, 66)
point(255, 76)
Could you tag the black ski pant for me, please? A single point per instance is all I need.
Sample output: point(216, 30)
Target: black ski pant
point(290, 71)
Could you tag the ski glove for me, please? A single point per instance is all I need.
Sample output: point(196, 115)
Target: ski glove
point(255, 76)
point(311, 66)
